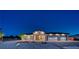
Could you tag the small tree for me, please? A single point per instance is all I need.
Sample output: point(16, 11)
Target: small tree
point(21, 36)
point(1, 35)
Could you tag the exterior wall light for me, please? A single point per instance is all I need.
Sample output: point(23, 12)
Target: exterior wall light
point(57, 34)
point(63, 34)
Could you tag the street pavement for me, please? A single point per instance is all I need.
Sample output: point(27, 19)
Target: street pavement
point(38, 45)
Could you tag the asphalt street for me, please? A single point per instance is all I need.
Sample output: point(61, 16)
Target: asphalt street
point(33, 45)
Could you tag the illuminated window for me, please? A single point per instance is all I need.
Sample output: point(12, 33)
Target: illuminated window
point(39, 37)
point(29, 36)
point(25, 35)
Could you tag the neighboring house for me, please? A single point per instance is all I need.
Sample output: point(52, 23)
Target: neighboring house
point(76, 37)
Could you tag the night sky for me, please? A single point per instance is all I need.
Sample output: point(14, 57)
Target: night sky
point(24, 21)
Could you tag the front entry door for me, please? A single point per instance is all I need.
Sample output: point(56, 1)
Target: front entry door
point(39, 37)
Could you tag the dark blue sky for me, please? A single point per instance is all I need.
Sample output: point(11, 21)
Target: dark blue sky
point(16, 22)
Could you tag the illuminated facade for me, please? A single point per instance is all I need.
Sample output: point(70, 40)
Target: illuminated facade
point(51, 37)
point(27, 37)
point(41, 36)
point(57, 37)
point(63, 37)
